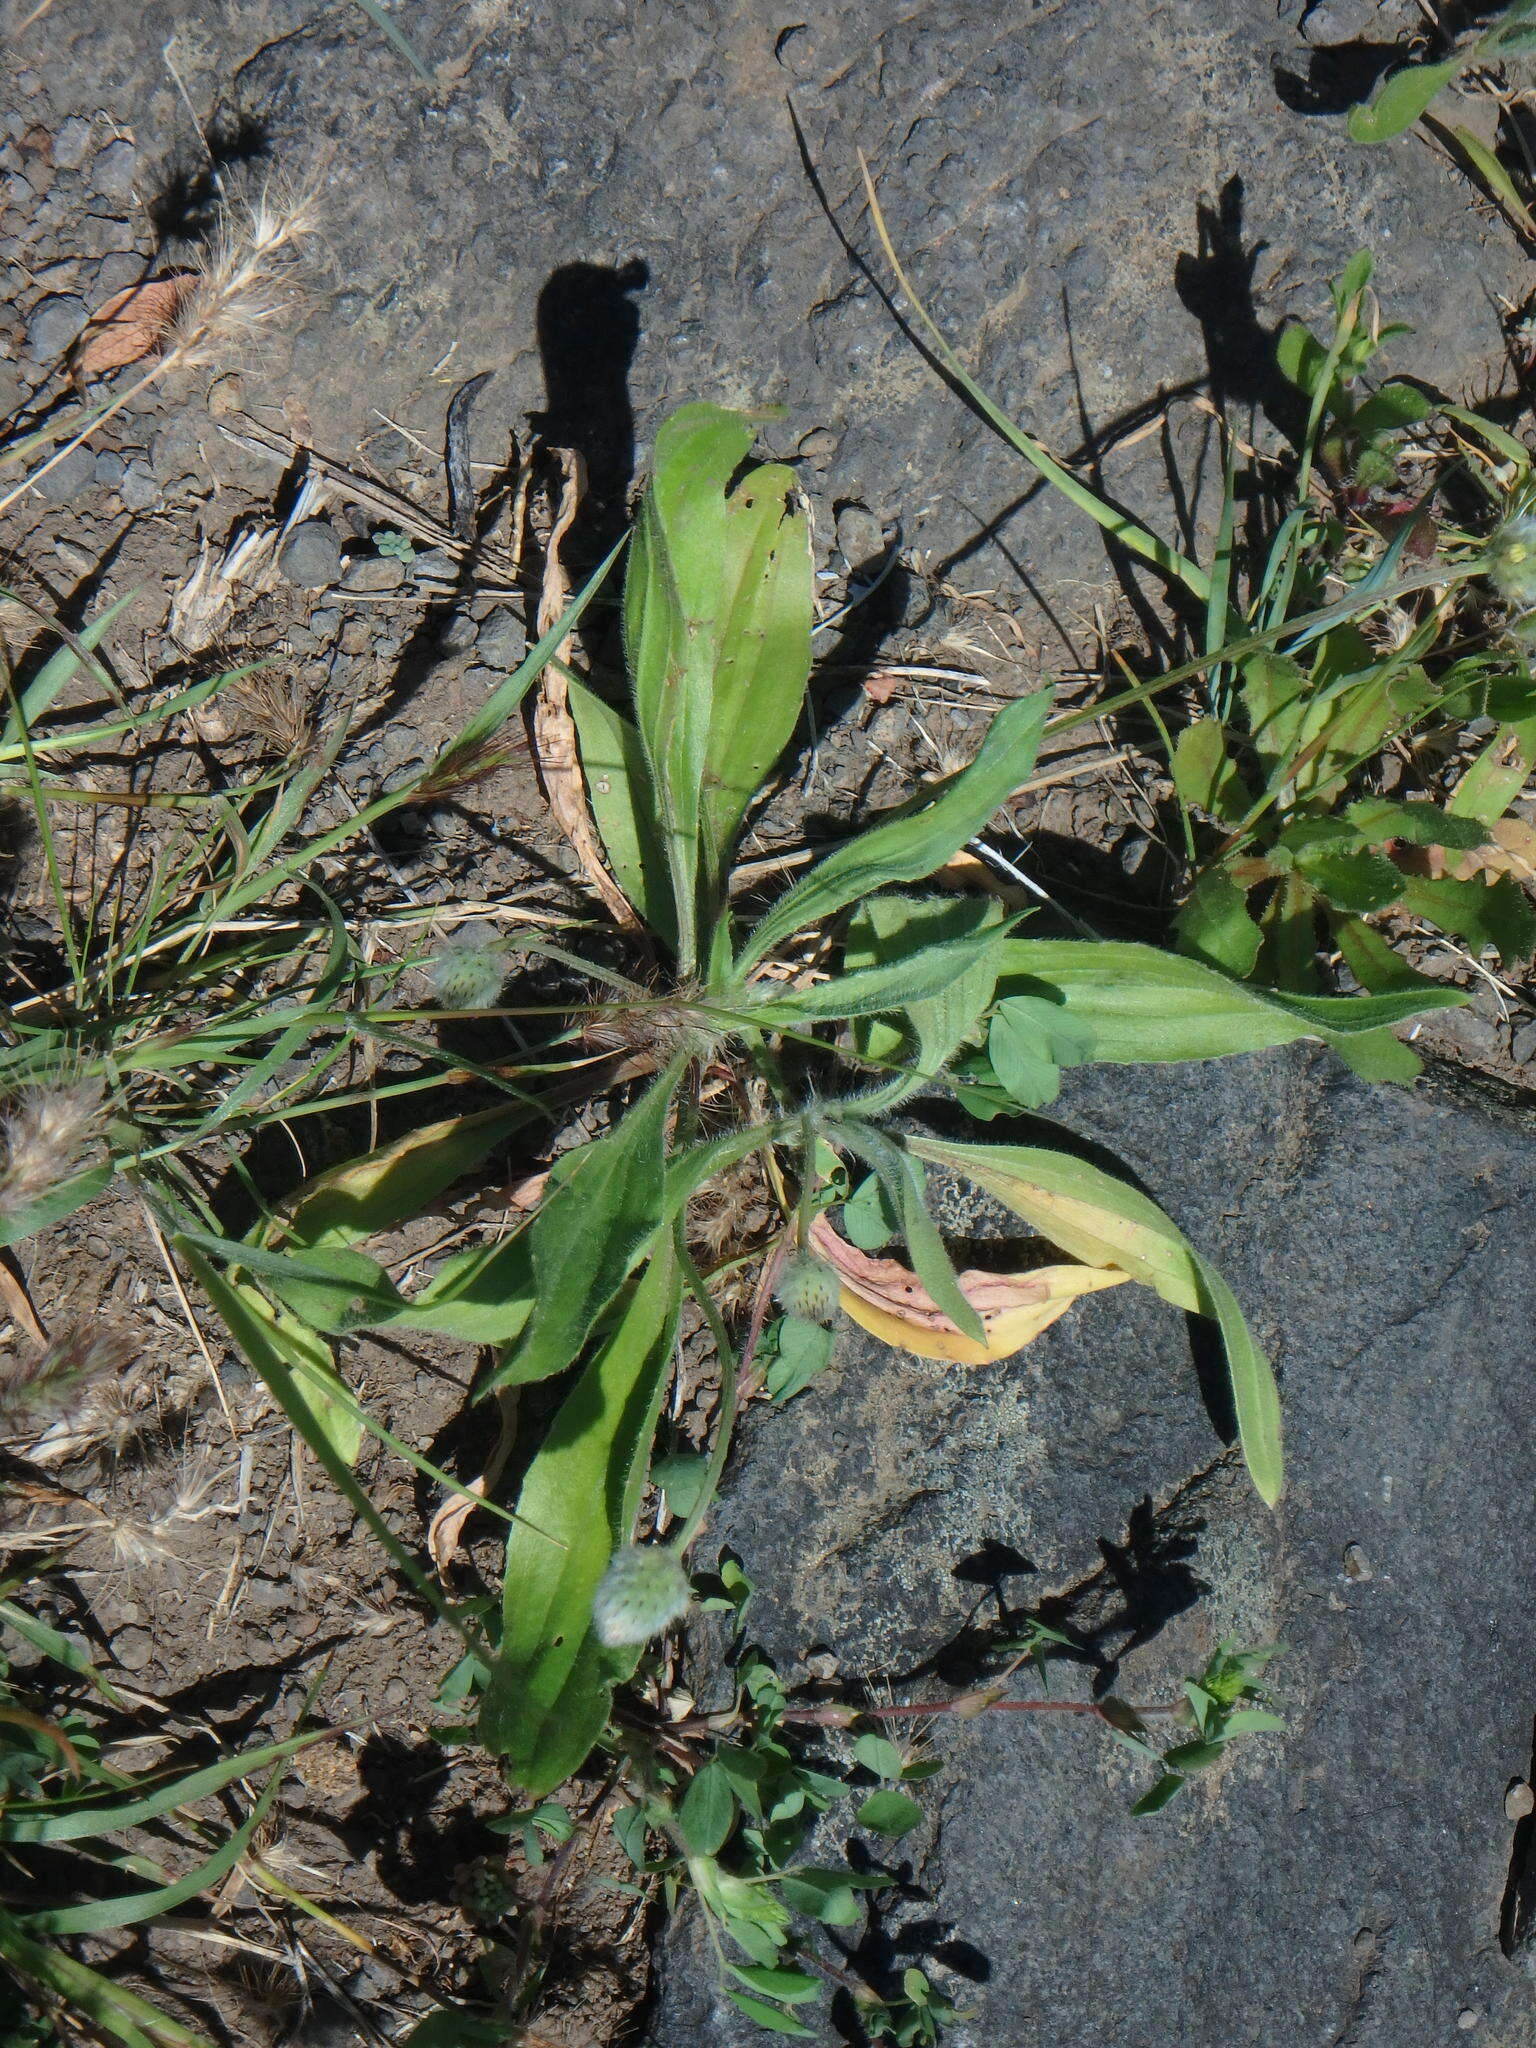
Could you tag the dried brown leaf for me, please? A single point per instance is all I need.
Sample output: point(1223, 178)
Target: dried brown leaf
point(131, 325)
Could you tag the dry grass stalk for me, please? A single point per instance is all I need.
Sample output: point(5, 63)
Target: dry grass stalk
point(226, 304)
point(554, 729)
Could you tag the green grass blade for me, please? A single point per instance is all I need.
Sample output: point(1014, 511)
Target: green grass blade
point(1118, 525)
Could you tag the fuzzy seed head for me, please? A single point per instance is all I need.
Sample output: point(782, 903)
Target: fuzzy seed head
point(807, 1288)
point(42, 1388)
point(1512, 560)
point(642, 1592)
point(469, 971)
point(43, 1136)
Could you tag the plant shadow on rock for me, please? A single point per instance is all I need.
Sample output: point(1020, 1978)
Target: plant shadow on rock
point(417, 1849)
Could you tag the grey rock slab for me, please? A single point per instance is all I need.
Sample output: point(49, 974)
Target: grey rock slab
point(1342, 1883)
point(1063, 190)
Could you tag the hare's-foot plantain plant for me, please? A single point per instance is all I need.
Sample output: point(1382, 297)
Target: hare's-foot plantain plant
point(743, 1053)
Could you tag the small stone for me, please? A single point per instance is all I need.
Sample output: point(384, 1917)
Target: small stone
point(1468, 2018)
point(373, 573)
point(71, 142)
point(503, 639)
point(1522, 1048)
point(1519, 1800)
point(459, 635)
point(311, 555)
point(356, 637)
point(325, 622)
point(132, 1649)
point(435, 565)
point(819, 446)
point(67, 479)
point(226, 394)
point(110, 469)
point(1356, 1564)
point(115, 168)
point(116, 272)
point(138, 489)
point(860, 536)
point(54, 324)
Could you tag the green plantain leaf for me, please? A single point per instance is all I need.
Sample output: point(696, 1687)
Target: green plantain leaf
point(600, 1214)
point(916, 839)
point(547, 1698)
point(718, 604)
point(1214, 924)
point(1145, 1005)
point(1398, 103)
point(619, 790)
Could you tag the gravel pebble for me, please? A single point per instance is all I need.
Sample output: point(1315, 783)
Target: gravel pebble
point(311, 555)
point(54, 323)
point(132, 1649)
point(459, 635)
point(138, 489)
point(503, 641)
point(115, 168)
point(67, 479)
point(435, 565)
point(71, 142)
point(110, 469)
point(373, 573)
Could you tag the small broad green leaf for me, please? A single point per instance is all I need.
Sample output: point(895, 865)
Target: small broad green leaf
point(1494, 916)
point(769, 2016)
point(918, 839)
point(889, 1812)
point(630, 1827)
point(1495, 778)
point(891, 926)
point(1399, 102)
point(1029, 1041)
point(828, 1895)
point(1355, 880)
point(450, 2028)
point(879, 1755)
point(547, 1698)
point(868, 1218)
point(1419, 823)
point(708, 1811)
point(1214, 924)
point(804, 1351)
point(789, 1987)
point(1203, 773)
point(681, 1476)
point(1166, 1789)
point(1395, 406)
point(1193, 1756)
point(1300, 357)
point(1252, 1721)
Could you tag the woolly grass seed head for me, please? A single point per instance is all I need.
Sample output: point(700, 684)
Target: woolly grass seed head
point(642, 1592)
point(41, 1388)
point(43, 1137)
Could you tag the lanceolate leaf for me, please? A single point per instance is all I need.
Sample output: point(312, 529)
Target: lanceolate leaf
point(619, 790)
point(603, 1208)
point(919, 838)
point(1145, 1005)
point(919, 977)
point(717, 618)
point(547, 1699)
point(891, 927)
point(1105, 1222)
point(1400, 102)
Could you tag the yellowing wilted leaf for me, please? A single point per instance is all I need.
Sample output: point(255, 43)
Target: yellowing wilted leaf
point(888, 1300)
